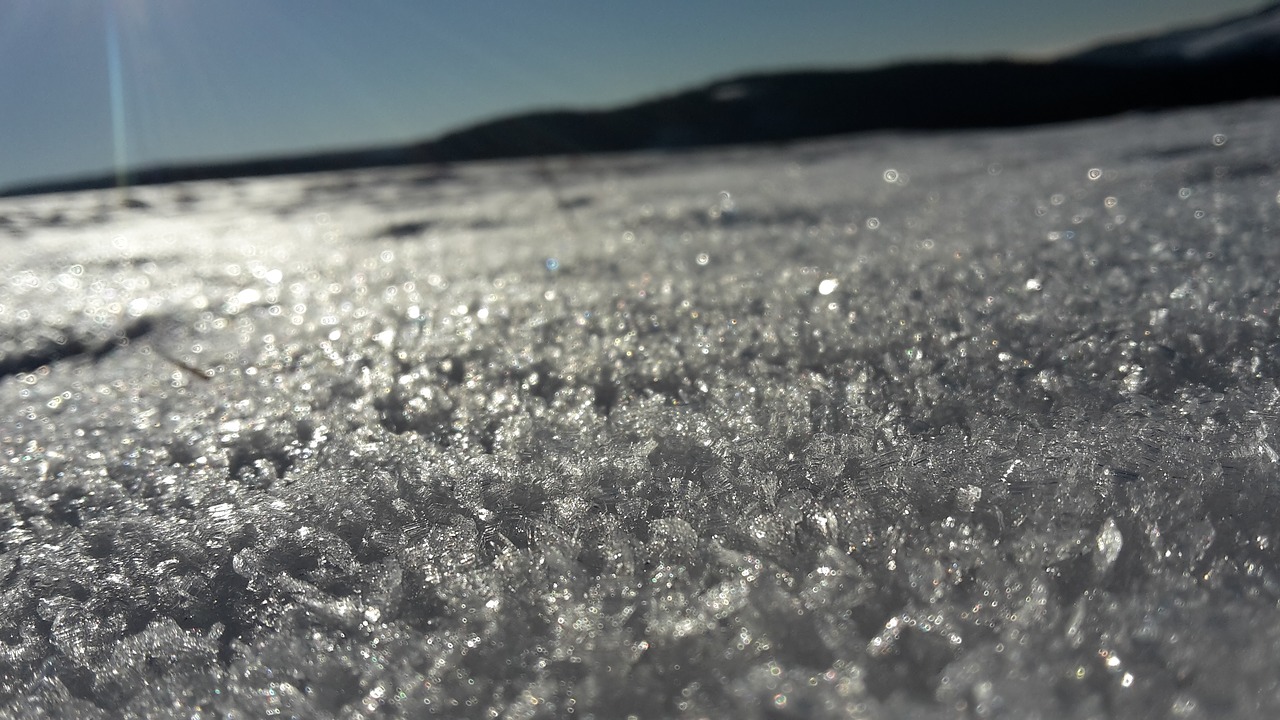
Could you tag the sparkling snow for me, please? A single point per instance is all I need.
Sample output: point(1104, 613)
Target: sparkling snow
point(978, 424)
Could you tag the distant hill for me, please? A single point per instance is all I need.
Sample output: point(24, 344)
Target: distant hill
point(1236, 59)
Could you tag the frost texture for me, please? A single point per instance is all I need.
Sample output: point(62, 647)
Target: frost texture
point(751, 433)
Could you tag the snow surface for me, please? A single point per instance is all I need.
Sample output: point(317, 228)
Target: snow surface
point(959, 425)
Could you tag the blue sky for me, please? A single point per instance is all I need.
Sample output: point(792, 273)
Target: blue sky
point(85, 84)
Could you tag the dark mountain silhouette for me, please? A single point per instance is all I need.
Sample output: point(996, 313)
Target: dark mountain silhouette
point(1232, 60)
point(1256, 35)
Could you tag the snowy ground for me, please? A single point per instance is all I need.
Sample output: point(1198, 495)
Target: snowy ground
point(977, 425)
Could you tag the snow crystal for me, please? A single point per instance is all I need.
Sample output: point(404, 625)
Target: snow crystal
point(1109, 543)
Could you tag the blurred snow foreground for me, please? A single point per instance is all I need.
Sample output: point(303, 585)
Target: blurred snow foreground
point(979, 424)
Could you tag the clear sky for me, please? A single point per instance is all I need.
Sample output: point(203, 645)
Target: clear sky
point(86, 84)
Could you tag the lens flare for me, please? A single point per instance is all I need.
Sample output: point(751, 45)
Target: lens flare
point(115, 80)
